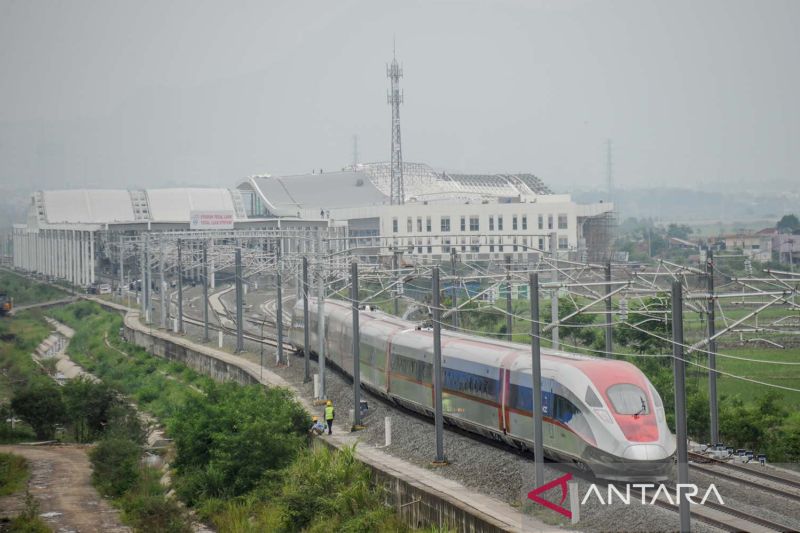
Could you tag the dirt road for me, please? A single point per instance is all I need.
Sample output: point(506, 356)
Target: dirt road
point(61, 483)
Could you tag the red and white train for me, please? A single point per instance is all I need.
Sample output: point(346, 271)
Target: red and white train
point(600, 414)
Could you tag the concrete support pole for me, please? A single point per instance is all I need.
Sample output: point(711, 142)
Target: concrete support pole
point(279, 313)
point(212, 280)
point(712, 349)
point(356, 346)
point(455, 286)
point(162, 284)
point(509, 310)
point(306, 324)
point(396, 276)
point(438, 416)
point(149, 274)
point(609, 316)
point(180, 287)
point(554, 299)
point(142, 271)
point(536, 375)
point(91, 258)
point(321, 331)
point(121, 262)
point(205, 292)
point(239, 300)
point(679, 371)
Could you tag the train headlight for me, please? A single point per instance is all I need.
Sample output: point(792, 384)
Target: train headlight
point(603, 415)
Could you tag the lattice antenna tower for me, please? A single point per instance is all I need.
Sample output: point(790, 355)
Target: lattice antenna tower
point(609, 172)
point(395, 97)
point(355, 151)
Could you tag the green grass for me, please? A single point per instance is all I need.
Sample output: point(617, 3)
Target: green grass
point(784, 375)
point(26, 291)
point(14, 473)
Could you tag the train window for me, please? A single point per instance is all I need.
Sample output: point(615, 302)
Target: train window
point(656, 397)
point(564, 409)
point(628, 399)
point(591, 398)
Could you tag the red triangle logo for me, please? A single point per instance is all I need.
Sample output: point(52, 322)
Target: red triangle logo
point(562, 482)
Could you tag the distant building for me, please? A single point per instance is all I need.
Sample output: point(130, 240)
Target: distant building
point(787, 248)
point(484, 216)
point(756, 246)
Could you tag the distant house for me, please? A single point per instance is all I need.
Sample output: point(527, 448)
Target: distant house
point(787, 247)
point(755, 246)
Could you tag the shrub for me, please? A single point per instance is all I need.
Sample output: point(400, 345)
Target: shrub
point(41, 406)
point(115, 464)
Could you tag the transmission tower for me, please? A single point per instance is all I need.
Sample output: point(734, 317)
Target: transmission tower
point(609, 172)
point(355, 151)
point(394, 72)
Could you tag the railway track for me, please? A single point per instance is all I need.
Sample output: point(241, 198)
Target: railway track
point(723, 516)
point(764, 481)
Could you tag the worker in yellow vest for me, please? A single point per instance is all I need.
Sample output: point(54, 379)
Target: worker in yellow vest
point(329, 416)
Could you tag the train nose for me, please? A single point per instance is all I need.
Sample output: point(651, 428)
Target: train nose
point(645, 452)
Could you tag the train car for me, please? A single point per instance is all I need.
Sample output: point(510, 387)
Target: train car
point(600, 414)
point(6, 304)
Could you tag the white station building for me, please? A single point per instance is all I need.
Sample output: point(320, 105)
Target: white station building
point(481, 216)
point(73, 234)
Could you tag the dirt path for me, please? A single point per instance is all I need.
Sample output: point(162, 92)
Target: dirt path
point(61, 483)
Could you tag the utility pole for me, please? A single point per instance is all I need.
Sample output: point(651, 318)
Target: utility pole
point(205, 292)
point(554, 297)
point(239, 302)
point(306, 347)
point(121, 264)
point(438, 418)
point(609, 316)
point(279, 308)
point(536, 375)
point(509, 316)
point(356, 348)
point(180, 288)
point(396, 274)
point(149, 313)
point(679, 370)
point(162, 283)
point(321, 330)
point(455, 286)
point(712, 349)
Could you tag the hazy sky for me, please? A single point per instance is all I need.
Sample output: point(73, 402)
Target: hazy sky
point(113, 93)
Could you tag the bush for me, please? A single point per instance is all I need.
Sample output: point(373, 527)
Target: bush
point(146, 507)
point(115, 465)
point(41, 406)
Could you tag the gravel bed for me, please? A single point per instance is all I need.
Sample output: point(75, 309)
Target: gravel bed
point(489, 469)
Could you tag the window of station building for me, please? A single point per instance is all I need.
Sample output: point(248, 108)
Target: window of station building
point(491, 244)
point(541, 221)
point(409, 227)
point(500, 223)
point(514, 222)
point(474, 223)
point(515, 244)
point(549, 221)
point(463, 223)
point(419, 224)
point(491, 222)
point(395, 227)
point(446, 246)
point(541, 243)
point(562, 221)
point(445, 224)
point(563, 243)
point(428, 224)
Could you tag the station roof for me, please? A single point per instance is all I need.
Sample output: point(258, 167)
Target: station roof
point(109, 206)
point(329, 190)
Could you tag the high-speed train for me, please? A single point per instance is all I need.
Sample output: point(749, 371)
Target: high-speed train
point(600, 414)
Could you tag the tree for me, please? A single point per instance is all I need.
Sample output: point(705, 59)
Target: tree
point(679, 231)
point(788, 224)
point(576, 327)
point(42, 407)
point(88, 405)
point(649, 327)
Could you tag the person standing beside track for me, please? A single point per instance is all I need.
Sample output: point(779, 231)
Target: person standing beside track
point(329, 415)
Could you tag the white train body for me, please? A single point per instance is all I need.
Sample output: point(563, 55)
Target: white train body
point(599, 413)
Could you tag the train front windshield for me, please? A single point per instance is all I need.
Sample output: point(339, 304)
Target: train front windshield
point(628, 399)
